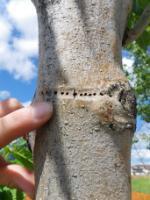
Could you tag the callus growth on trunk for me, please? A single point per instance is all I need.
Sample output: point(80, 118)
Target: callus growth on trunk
point(83, 153)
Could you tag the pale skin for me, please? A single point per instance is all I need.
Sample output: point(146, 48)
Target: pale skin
point(16, 121)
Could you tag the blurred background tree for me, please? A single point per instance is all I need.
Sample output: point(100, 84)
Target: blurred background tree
point(138, 32)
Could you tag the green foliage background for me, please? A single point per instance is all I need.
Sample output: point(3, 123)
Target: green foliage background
point(141, 51)
point(17, 152)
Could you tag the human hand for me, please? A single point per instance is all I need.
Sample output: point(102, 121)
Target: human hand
point(17, 121)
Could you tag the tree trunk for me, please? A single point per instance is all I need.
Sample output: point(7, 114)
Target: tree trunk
point(83, 153)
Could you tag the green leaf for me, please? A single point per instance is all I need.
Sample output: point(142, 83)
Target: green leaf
point(18, 152)
point(7, 193)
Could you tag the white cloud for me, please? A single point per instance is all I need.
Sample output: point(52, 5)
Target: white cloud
point(128, 64)
point(23, 15)
point(28, 47)
point(128, 67)
point(141, 154)
point(4, 94)
point(5, 29)
point(16, 52)
point(27, 103)
point(16, 63)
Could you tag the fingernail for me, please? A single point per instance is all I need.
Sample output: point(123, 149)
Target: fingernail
point(42, 110)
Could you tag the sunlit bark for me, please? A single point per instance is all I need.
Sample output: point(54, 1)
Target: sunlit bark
point(83, 153)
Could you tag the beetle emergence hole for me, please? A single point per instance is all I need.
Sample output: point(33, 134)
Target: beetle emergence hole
point(74, 93)
point(101, 93)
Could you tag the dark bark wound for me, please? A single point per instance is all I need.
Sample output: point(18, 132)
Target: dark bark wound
point(128, 101)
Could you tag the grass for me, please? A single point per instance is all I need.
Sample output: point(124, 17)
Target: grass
point(141, 184)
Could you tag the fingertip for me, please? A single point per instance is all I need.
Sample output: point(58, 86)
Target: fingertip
point(24, 120)
point(42, 111)
point(18, 177)
point(14, 103)
point(9, 105)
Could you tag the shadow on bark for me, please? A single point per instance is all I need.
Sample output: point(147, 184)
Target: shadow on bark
point(48, 144)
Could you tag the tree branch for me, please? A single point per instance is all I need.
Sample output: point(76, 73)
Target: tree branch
point(139, 27)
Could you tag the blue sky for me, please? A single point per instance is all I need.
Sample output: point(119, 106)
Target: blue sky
point(19, 61)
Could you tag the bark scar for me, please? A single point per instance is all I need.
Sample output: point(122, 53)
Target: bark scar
point(115, 105)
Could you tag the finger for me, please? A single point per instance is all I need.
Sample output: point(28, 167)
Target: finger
point(13, 175)
point(8, 106)
point(22, 121)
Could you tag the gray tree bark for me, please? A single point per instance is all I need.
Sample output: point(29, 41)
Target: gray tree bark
point(83, 153)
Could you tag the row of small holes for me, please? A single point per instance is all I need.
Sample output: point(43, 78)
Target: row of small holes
point(75, 94)
point(81, 94)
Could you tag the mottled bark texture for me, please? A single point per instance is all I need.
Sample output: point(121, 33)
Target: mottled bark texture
point(83, 153)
